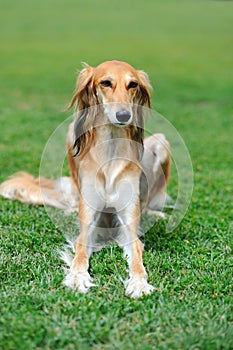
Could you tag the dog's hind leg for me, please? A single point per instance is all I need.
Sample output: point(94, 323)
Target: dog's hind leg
point(156, 163)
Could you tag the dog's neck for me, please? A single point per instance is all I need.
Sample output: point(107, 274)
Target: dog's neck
point(113, 153)
point(112, 142)
point(112, 132)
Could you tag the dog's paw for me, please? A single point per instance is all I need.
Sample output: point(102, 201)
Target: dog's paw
point(136, 288)
point(80, 281)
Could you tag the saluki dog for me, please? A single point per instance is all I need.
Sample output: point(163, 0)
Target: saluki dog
point(115, 173)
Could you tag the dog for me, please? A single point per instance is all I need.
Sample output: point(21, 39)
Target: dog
point(115, 174)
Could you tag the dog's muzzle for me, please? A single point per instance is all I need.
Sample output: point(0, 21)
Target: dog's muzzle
point(123, 116)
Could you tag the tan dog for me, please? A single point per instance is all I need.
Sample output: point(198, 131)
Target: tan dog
point(112, 180)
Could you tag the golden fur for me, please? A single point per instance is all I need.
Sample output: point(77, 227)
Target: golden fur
point(112, 179)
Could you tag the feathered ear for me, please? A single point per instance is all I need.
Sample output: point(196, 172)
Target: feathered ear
point(83, 95)
point(137, 130)
point(144, 93)
point(137, 135)
point(142, 98)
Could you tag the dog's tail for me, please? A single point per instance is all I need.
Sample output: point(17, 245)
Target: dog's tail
point(60, 193)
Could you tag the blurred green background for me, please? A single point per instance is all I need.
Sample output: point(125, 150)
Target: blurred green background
point(186, 48)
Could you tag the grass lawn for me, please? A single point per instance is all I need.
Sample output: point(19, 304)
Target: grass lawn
point(186, 48)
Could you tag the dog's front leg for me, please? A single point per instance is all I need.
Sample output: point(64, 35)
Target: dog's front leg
point(136, 285)
point(78, 276)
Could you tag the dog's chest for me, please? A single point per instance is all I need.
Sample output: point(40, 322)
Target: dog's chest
point(110, 179)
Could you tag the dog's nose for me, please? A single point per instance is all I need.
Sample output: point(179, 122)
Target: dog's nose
point(123, 116)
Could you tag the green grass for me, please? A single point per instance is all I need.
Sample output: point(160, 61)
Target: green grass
point(186, 48)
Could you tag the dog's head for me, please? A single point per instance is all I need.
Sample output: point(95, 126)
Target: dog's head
point(116, 86)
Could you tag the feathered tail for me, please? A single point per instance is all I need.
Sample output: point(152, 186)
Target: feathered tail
point(60, 193)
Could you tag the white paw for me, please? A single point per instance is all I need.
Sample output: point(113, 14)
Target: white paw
point(80, 281)
point(136, 288)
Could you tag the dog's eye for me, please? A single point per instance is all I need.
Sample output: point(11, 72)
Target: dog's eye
point(132, 85)
point(106, 83)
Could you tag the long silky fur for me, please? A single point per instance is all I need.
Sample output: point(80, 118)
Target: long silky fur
point(136, 132)
point(85, 99)
point(81, 135)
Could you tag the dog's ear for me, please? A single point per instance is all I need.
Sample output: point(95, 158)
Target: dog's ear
point(84, 95)
point(142, 98)
point(137, 135)
point(83, 138)
point(144, 93)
